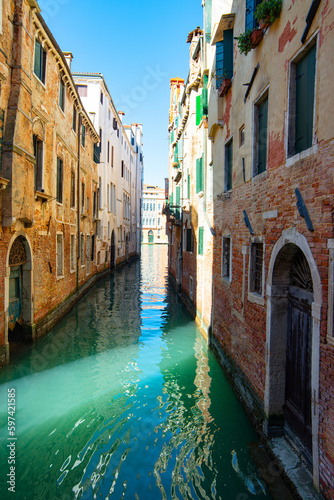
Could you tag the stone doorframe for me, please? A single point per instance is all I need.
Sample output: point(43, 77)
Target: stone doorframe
point(27, 286)
point(276, 335)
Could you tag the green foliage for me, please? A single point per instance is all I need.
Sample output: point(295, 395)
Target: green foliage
point(268, 10)
point(244, 42)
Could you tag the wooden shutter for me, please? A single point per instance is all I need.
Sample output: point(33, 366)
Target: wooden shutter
point(59, 180)
point(228, 165)
point(305, 79)
point(198, 109)
point(219, 63)
point(262, 136)
point(251, 22)
point(38, 59)
point(228, 46)
point(200, 240)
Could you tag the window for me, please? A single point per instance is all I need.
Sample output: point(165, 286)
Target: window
point(92, 252)
point(256, 264)
point(190, 240)
point(158, 221)
point(100, 139)
point(112, 156)
point(199, 175)
point(108, 197)
point(122, 169)
point(261, 136)
point(301, 112)
point(242, 136)
point(60, 260)
point(101, 98)
point(74, 119)
point(200, 240)
point(95, 195)
point(191, 287)
point(87, 204)
point(72, 260)
point(82, 249)
point(88, 250)
point(72, 197)
point(226, 258)
point(59, 180)
point(108, 152)
point(224, 58)
point(159, 207)
point(228, 166)
point(61, 95)
point(251, 22)
point(40, 61)
point(38, 152)
point(82, 197)
point(108, 230)
point(83, 135)
point(188, 185)
point(82, 90)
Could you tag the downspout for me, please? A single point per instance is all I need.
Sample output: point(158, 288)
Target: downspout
point(78, 200)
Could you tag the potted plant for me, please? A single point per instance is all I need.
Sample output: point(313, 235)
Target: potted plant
point(244, 42)
point(267, 11)
point(256, 37)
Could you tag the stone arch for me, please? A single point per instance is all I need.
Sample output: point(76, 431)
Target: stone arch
point(290, 243)
point(20, 243)
point(38, 129)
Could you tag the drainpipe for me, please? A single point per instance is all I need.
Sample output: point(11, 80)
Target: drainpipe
point(78, 199)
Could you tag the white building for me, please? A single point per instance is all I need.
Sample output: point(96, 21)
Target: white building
point(120, 172)
point(153, 220)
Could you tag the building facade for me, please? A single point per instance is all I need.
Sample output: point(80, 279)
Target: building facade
point(189, 207)
point(120, 172)
point(153, 220)
point(269, 170)
point(58, 208)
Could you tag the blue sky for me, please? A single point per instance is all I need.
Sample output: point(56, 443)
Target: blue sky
point(138, 47)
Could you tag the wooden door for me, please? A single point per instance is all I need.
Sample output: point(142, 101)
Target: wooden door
point(298, 396)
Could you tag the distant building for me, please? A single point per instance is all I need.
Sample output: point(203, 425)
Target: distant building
point(153, 220)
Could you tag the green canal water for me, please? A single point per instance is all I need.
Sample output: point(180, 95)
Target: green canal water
point(123, 399)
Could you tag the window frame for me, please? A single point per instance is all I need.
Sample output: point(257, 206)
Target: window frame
point(227, 274)
point(253, 294)
point(60, 181)
point(228, 167)
point(60, 269)
point(72, 253)
point(264, 97)
point(291, 154)
point(62, 95)
point(39, 163)
point(43, 62)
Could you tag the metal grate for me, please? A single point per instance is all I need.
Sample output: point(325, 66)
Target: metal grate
point(300, 275)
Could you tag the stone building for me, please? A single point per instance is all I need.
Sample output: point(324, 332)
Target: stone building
point(153, 220)
point(189, 210)
point(267, 189)
point(120, 172)
point(48, 177)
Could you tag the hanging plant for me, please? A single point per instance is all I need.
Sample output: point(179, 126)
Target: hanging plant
point(245, 42)
point(268, 11)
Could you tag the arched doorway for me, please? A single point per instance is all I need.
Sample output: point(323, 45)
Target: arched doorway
point(150, 236)
point(112, 250)
point(18, 282)
point(293, 340)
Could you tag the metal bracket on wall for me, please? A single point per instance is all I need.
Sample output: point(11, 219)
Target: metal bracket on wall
point(247, 222)
point(309, 18)
point(256, 69)
point(302, 209)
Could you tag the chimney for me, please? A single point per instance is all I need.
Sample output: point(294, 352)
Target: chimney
point(121, 114)
point(68, 56)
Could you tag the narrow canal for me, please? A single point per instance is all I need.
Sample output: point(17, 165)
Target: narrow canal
point(123, 399)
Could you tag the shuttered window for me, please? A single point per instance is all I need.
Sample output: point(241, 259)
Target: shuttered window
point(224, 57)
point(83, 135)
point(59, 180)
point(72, 197)
point(261, 139)
point(251, 22)
point(40, 61)
point(199, 175)
point(190, 240)
point(200, 240)
point(61, 95)
point(198, 109)
point(38, 152)
point(305, 79)
point(226, 258)
point(188, 186)
point(207, 20)
point(228, 166)
point(60, 258)
point(256, 268)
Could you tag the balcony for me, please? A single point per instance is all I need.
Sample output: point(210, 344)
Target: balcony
point(173, 213)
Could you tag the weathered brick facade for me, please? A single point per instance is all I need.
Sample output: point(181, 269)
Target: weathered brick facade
point(49, 201)
point(269, 171)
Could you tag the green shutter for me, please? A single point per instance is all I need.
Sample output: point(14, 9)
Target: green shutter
point(38, 59)
point(172, 136)
point(171, 199)
point(305, 80)
point(188, 186)
point(198, 109)
point(176, 152)
point(200, 240)
point(228, 53)
point(177, 202)
point(219, 63)
point(197, 175)
point(262, 136)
